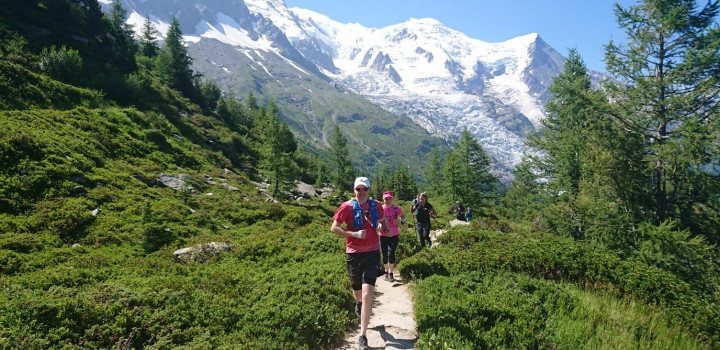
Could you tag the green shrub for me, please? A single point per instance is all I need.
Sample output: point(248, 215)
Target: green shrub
point(512, 311)
point(562, 259)
point(62, 64)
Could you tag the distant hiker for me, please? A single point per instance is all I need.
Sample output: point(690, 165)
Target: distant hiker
point(363, 220)
point(459, 211)
point(423, 212)
point(390, 237)
point(468, 214)
point(414, 204)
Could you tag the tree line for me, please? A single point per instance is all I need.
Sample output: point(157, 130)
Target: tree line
point(633, 165)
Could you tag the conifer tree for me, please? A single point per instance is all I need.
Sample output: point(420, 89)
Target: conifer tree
point(668, 92)
point(468, 172)
point(174, 63)
point(121, 33)
point(148, 43)
point(579, 173)
point(381, 182)
point(341, 166)
point(277, 149)
point(434, 172)
point(252, 103)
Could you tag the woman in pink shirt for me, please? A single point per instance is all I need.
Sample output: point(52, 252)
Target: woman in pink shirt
point(390, 236)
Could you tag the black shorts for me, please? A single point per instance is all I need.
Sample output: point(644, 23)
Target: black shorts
point(363, 268)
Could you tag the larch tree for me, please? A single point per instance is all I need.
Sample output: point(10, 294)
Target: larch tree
point(434, 172)
point(148, 41)
point(342, 169)
point(467, 169)
point(668, 93)
point(174, 63)
point(580, 162)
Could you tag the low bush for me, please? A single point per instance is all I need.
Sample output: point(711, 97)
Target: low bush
point(565, 260)
point(474, 310)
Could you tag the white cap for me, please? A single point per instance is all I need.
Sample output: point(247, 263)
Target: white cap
point(362, 181)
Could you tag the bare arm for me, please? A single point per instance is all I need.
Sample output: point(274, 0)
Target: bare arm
point(382, 225)
point(337, 229)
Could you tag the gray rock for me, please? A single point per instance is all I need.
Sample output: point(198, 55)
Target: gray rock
point(79, 191)
point(455, 222)
point(229, 188)
point(304, 190)
point(96, 211)
point(201, 252)
point(210, 180)
point(175, 183)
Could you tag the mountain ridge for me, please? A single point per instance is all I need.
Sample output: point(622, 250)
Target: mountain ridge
point(441, 79)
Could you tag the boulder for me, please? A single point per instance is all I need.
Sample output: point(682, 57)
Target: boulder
point(304, 190)
point(175, 183)
point(456, 222)
point(201, 252)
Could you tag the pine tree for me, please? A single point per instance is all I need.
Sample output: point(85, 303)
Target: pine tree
point(148, 43)
point(668, 93)
point(580, 175)
point(174, 63)
point(434, 172)
point(341, 167)
point(468, 172)
point(277, 149)
point(121, 33)
point(252, 103)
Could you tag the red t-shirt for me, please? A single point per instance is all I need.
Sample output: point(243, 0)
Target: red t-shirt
point(371, 242)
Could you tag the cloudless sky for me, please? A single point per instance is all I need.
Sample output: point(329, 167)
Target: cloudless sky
point(586, 25)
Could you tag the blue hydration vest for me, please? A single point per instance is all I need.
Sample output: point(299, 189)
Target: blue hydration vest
point(358, 214)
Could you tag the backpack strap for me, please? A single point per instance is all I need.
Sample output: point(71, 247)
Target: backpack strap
point(375, 215)
point(358, 215)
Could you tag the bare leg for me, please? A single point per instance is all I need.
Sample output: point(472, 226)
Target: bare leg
point(367, 300)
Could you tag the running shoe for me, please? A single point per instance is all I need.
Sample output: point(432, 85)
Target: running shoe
point(362, 343)
point(358, 309)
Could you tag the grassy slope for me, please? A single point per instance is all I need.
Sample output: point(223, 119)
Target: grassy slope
point(487, 289)
point(121, 285)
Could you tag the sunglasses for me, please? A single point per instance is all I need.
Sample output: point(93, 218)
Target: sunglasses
point(362, 189)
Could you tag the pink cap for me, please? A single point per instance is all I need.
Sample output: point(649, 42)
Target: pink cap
point(387, 194)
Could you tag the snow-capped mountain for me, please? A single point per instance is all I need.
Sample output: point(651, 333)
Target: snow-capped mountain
point(440, 78)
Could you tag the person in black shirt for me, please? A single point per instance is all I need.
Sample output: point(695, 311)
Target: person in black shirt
point(423, 212)
point(459, 211)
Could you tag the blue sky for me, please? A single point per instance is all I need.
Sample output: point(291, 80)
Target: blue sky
point(586, 25)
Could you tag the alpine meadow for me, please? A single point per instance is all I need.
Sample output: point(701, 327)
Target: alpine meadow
point(145, 206)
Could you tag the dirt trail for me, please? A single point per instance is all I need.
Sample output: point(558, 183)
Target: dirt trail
point(392, 325)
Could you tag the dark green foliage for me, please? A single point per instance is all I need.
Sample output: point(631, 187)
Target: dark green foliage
point(399, 180)
point(667, 92)
point(173, 63)
point(434, 172)
point(467, 172)
point(464, 250)
point(148, 46)
point(209, 95)
point(60, 64)
point(474, 310)
point(342, 171)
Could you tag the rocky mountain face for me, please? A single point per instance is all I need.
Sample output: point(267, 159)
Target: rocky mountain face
point(439, 78)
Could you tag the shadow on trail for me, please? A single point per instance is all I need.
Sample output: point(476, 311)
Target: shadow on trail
point(393, 342)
